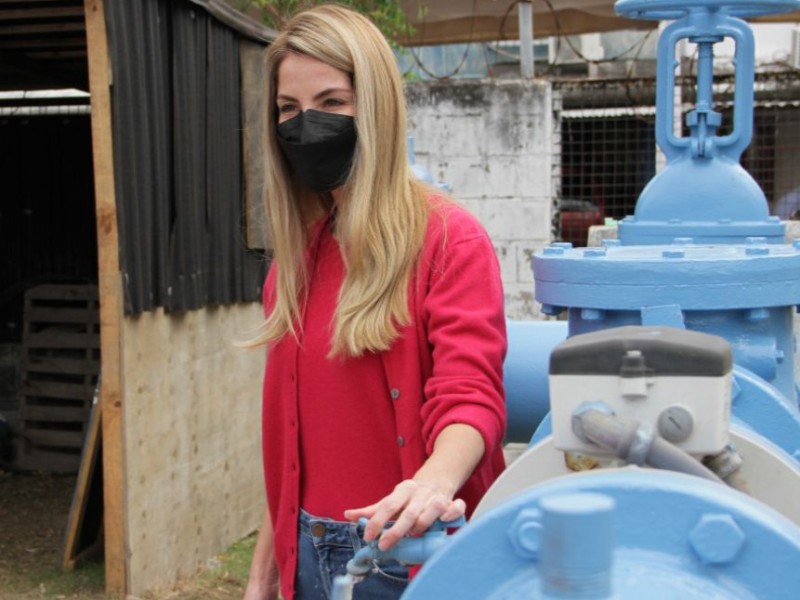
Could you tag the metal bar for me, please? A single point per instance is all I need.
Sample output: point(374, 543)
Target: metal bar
point(526, 39)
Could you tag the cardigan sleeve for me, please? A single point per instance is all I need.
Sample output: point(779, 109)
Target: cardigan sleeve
point(464, 316)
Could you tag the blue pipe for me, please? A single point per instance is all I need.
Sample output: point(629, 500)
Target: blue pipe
point(525, 374)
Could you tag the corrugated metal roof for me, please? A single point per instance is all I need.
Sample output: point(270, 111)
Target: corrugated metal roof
point(43, 45)
point(43, 42)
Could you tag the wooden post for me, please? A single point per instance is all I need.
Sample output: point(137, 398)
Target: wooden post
point(110, 291)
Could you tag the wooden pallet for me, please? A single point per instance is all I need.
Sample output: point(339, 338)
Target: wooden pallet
point(59, 369)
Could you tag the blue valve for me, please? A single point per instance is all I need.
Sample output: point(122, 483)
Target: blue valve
point(703, 182)
point(407, 551)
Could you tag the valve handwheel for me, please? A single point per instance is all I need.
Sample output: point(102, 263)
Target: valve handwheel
point(675, 9)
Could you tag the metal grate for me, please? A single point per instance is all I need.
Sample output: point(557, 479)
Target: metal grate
point(609, 153)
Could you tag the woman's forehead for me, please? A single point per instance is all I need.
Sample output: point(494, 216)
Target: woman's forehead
point(300, 73)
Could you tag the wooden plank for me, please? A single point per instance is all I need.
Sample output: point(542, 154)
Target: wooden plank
point(57, 389)
point(57, 414)
point(54, 437)
point(49, 12)
point(45, 42)
point(54, 339)
point(58, 291)
point(110, 293)
point(47, 314)
point(42, 2)
point(50, 28)
point(87, 473)
point(59, 366)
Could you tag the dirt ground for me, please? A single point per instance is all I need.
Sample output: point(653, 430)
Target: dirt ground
point(33, 516)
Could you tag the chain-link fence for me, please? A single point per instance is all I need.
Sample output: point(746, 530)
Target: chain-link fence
point(608, 151)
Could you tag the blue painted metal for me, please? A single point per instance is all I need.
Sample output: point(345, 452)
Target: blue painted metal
point(422, 172)
point(525, 374)
point(408, 551)
point(701, 251)
point(727, 290)
point(707, 541)
point(718, 201)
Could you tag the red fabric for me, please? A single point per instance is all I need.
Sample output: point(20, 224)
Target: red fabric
point(445, 368)
point(346, 416)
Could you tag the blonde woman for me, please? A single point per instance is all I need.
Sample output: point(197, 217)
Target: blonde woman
point(385, 330)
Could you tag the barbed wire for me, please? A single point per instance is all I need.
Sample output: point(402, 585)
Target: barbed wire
point(560, 37)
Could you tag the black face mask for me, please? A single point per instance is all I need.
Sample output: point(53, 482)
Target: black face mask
point(320, 147)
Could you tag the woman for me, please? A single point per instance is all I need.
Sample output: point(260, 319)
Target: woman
point(385, 329)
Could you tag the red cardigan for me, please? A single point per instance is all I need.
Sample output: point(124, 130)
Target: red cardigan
point(445, 368)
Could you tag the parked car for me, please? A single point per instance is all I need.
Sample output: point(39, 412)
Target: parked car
point(576, 218)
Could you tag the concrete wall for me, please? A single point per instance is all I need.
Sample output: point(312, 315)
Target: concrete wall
point(192, 409)
point(493, 141)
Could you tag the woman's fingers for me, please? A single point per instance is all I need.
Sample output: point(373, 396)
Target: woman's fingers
point(413, 506)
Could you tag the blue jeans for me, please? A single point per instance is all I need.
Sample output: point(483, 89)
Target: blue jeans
point(323, 549)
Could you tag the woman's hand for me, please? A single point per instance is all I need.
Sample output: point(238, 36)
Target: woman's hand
point(414, 505)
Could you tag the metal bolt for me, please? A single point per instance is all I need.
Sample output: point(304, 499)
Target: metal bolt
point(675, 424)
point(673, 254)
point(755, 251)
point(526, 533)
point(757, 314)
point(553, 251)
point(592, 314)
point(717, 539)
point(594, 252)
point(577, 545)
point(553, 311)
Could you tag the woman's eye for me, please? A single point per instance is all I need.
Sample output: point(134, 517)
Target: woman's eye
point(287, 108)
point(333, 102)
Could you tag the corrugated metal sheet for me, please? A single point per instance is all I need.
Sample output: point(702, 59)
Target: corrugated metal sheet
point(177, 146)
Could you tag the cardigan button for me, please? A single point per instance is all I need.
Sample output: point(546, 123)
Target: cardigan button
point(395, 393)
point(400, 441)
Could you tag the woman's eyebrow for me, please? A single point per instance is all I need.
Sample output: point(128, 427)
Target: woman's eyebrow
point(322, 94)
point(334, 90)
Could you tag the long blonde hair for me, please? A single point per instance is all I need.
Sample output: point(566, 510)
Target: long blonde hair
point(381, 223)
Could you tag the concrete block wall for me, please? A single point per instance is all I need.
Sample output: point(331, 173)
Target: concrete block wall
point(493, 141)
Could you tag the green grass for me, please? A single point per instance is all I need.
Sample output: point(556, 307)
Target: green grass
point(87, 583)
point(224, 581)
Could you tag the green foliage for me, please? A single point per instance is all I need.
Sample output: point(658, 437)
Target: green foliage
point(387, 15)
